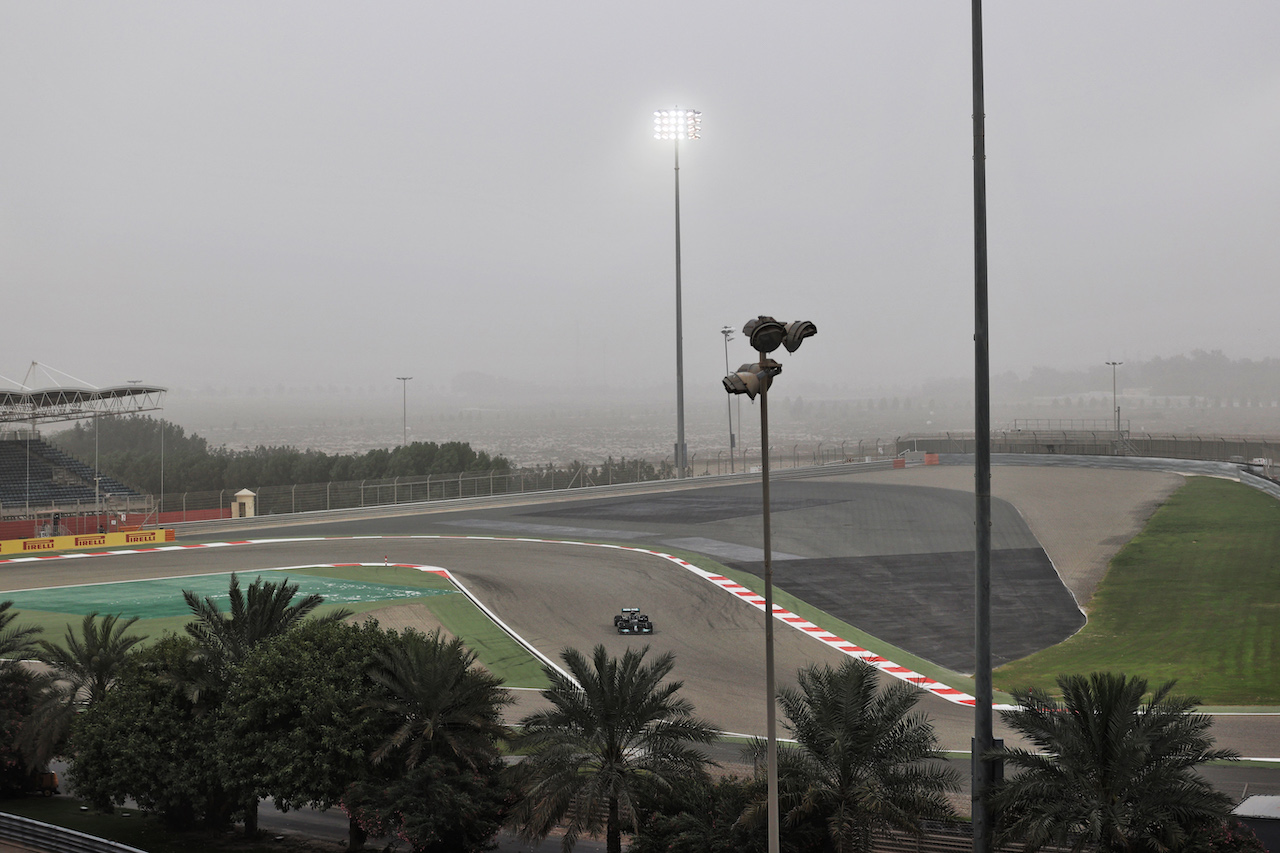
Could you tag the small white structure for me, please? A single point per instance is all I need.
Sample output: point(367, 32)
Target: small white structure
point(1262, 815)
point(246, 504)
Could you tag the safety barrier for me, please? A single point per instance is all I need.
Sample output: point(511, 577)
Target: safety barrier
point(23, 834)
point(123, 539)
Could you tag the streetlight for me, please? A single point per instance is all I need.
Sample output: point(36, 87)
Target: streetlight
point(766, 335)
point(727, 331)
point(1115, 406)
point(676, 125)
point(404, 416)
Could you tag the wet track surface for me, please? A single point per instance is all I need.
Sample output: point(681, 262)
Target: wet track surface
point(885, 553)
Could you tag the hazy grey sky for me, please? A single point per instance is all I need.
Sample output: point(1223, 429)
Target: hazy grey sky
point(310, 192)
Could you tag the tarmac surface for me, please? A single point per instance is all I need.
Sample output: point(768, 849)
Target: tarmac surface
point(887, 551)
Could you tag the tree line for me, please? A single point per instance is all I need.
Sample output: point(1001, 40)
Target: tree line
point(405, 733)
point(128, 449)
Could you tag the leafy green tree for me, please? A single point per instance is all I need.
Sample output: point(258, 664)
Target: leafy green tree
point(129, 449)
point(81, 671)
point(439, 782)
point(225, 640)
point(1108, 770)
point(15, 642)
point(863, 763)
point(297, 722)
point(613, 725)
point(16, 687)
point(145, 740)
point(698, 815)
point(437, 806)
point(15, 710)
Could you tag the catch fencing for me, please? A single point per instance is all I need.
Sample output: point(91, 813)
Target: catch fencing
point(1101, 442)
point(174, 507)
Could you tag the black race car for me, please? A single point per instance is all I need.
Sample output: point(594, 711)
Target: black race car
point(632, 621)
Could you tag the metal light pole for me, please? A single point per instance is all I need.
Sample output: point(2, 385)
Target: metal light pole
point(676, 125)
point(983, 771)
point(770, 691)
point(727, 331)
point(404, 417)
point(1115, 403)
point(766, 335)
point(97, 476)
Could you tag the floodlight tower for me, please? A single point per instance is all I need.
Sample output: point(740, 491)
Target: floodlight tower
point(676, 125)
point(404, 410)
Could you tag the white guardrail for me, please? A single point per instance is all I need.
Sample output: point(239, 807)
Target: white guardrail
point(226, 525)
point(36, 836)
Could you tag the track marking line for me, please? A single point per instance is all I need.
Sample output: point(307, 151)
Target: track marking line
point(739, 591)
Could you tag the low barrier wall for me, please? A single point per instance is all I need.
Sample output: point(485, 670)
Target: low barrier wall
point(23, 835)
point(86, 540)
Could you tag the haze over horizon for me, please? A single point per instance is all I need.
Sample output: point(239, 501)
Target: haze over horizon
point(312, 194)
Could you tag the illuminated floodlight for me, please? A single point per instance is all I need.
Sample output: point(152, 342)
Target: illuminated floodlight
point(677, 124)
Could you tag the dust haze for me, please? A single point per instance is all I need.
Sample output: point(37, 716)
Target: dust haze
point(274, 210)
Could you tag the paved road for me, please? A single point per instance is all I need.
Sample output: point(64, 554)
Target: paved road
point(849, 541)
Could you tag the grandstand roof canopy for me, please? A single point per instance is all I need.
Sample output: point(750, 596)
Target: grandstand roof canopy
point(42, 405)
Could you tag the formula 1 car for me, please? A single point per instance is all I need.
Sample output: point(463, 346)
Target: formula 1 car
point(632, 621)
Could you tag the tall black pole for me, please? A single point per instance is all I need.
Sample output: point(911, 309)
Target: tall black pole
point(729, 398)
point(771, 713)
point(680, 448)
point(983, 736)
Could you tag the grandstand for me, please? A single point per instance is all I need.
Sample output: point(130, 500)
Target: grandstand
point(44, 487)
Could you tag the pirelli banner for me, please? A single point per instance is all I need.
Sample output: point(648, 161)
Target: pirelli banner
point(46, 544)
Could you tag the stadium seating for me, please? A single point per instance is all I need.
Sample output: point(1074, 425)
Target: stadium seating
point(27, 477)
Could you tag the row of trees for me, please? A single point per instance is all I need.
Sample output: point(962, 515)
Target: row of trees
point(405, 733)
point(128, 449)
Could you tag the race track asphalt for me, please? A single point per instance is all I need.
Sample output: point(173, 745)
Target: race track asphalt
point(890, 547)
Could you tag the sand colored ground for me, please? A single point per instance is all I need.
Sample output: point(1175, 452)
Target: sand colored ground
point(397, 617)
point(1081, 516)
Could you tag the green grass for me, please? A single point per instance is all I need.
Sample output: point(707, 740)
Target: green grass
point(1194, 597)
point(494, 648)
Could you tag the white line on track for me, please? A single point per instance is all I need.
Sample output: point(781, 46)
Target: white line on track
point(740, 592)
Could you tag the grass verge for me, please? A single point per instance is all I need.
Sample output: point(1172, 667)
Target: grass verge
point(1194, 597)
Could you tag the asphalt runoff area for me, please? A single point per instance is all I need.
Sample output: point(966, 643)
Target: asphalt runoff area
point(893, 546)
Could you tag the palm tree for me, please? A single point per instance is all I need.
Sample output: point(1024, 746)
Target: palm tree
point(442, 705)
point(1109, 770)
point(439, 781)
point(266, 611)
point(613, 726)
point(862, 762)
point(226, 639)
point(15, 642)
point(80, 673)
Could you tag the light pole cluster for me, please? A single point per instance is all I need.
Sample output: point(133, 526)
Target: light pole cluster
point(676, 125)
point(766, 335)
point(1115, 402)
point(404, 410)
